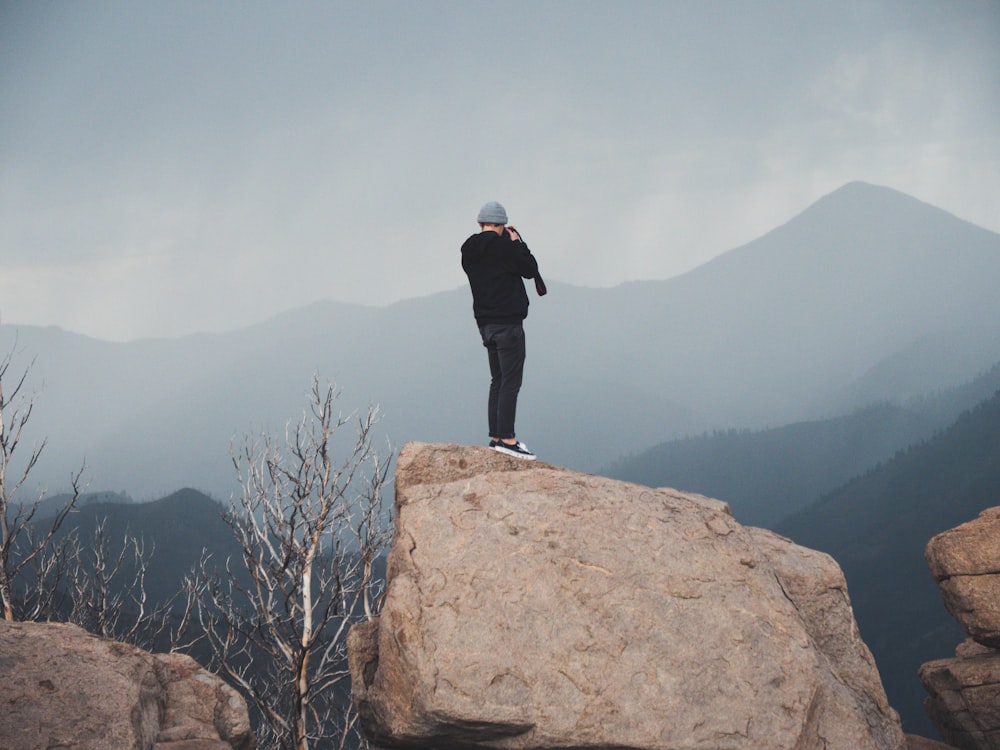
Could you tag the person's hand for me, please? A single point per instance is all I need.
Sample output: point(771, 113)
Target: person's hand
point(513, 233)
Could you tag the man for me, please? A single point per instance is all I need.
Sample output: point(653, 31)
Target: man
point(496, 260)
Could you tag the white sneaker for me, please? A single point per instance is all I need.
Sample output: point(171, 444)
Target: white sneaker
point(518, 450)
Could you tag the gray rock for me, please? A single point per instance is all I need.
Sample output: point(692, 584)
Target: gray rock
point(62, 687)
point(533, 607)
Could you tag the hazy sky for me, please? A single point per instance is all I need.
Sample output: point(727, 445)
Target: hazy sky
point(172, 167)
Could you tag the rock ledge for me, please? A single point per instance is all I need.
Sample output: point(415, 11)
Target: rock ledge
point(63, 687)
point(530, 606)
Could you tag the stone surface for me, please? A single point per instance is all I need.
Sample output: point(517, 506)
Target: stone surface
point(61, 687)
point(817, 588)
point(964, 696)
point(964, 692)
point(965, 561)
point(532, 607)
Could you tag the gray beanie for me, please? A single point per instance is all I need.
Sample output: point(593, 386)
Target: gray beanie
point(492, 213)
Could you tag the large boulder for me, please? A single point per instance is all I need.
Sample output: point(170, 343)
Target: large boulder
point(62, 687)
point(964, 691)
point(531, 607)
point(965, 562)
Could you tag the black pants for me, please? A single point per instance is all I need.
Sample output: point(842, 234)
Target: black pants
point(505, 345)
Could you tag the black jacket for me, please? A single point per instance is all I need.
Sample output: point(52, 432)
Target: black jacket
point(495, 265)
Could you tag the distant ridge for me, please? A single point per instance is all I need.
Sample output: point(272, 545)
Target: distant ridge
point(768, 475)
point(49, 506)
point(173, 529)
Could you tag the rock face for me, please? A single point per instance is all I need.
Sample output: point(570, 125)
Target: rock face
point(965, 562)
point(964, 692)
point(533, 607)
point(964, 696)
point(62, 687)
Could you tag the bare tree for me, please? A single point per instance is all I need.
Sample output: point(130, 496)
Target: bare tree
point(21, 545)
point(41, 588)
point(107, 589)
point(49, 575)
point(311, 529)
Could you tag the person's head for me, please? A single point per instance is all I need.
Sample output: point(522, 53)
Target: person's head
point(492, 216)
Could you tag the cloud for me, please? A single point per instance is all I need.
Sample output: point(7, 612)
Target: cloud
point(911, 87)
point(171, 168)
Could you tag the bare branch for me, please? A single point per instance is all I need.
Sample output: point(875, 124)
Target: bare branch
point(310, 527)
point(22, 547)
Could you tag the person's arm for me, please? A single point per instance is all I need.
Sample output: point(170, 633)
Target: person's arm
point(520, 257)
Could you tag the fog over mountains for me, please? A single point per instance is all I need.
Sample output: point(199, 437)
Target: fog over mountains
point(867, 295)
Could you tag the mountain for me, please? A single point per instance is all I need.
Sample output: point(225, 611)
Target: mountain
point(173, 531)
point(918, 370)
point(777, 331)
point(877, 527)
point(768, 475)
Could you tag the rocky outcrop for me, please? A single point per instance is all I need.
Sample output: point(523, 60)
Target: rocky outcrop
point(964, 696)
point(62, 687)
point(534, 607)
point(964, 692)
point(965, 562)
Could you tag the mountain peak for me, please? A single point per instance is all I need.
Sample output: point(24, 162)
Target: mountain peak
point(858, 201)
point(865, 188)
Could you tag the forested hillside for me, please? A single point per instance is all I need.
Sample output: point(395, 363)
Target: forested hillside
point(768, 475)
point(173, 532)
